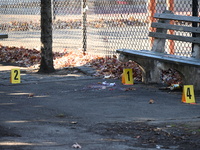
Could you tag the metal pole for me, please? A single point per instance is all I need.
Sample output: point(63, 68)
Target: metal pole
point(194, 13)
point(52, 8)
point(84, 13)
point(195, 8)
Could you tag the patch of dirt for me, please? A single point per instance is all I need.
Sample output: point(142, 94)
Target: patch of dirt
point(6, 132)
point(63, 71)
point(140, 134)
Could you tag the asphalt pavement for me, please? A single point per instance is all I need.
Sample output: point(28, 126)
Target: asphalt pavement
point(54, 112)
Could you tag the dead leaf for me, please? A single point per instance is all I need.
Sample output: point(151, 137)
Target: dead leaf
point(31, 95)
point(60, 115)
point(130, 89)
point(151, 101)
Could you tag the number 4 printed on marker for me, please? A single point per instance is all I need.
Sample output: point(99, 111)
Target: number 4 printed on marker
point(189, 93)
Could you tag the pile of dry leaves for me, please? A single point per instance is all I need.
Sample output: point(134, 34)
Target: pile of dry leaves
point(22, 56)
point(109, 67)
point(71, 24)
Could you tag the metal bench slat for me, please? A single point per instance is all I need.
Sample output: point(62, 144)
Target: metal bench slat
point(161, 56)
point(3, 36)
point(175, 37)
point(177, 17)
point(175, 27)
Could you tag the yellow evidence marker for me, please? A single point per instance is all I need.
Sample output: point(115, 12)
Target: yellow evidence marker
point(188, 94)
point(15, 76)
point(127, 77)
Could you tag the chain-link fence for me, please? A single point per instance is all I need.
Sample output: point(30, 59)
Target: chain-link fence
point(98, 26)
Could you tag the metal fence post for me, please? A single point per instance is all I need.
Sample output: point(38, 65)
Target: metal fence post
point(194, 13)
point(53, 9)
point(84, 13)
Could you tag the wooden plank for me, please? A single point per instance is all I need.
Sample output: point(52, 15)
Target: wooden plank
point(177, 17)
point(175, 37)
point(175, 27)
point(160, 56)
point(3, 36)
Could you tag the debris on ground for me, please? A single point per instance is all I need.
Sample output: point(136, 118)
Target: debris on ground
point(61, 115)
point(172, 87)
point(106, 67)
point(102, 86)
point(108, 84)
point(151, 101)
point(170, 77)
point(130, 89)
point(184, 136)
point(30, 95)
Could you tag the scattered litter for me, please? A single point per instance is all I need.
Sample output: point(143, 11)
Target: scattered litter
point(102, 86)
point(74, 122)
point(108, 84)
point(174, 87)
point(138, 137)
point(76, 145)
point(158, 146)
point(107, 77)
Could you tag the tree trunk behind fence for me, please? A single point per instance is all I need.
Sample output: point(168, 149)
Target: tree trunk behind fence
point(46, 65)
